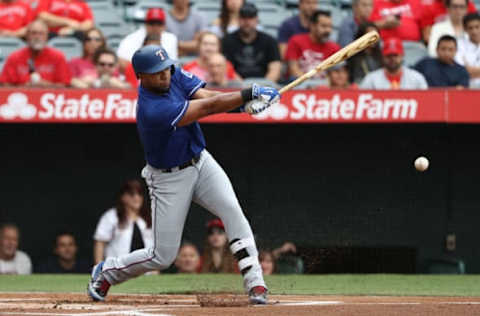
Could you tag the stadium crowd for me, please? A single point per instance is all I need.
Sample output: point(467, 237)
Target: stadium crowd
point(126, 227)
point(425, 43)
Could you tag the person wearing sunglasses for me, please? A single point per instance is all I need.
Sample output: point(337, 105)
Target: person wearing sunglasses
point(106, 63)
point(83, 68)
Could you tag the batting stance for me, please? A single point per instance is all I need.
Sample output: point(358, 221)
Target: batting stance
point(179, 169)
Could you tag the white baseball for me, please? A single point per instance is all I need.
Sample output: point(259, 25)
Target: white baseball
point(421, 164)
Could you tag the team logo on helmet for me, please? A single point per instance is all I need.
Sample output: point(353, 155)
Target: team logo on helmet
point(160, 54)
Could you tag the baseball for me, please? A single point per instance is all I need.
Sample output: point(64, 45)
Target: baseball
point(421, 164)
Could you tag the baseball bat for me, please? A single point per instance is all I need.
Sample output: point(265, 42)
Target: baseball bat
point(348, 51)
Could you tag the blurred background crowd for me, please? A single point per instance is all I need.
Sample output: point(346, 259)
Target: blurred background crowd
point(232, 43)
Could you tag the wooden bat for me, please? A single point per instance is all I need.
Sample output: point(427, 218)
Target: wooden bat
point(348, 51)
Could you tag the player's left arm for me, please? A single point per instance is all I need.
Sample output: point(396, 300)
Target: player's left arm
point(203, 93)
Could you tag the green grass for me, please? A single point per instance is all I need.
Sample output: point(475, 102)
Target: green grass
point(374, 284)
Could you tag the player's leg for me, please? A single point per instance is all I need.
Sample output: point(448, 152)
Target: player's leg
point(214, 192)
point(171, 195)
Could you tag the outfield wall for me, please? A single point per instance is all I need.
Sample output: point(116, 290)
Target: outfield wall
point(321, 186)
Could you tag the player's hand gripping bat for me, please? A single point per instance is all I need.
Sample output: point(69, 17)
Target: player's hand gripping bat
point(348, 51)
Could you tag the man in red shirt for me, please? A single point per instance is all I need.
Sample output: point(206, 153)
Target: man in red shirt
point(15, 15)
point(305, 51)
point(66, 17)
point(36, 65)
point(401, 19)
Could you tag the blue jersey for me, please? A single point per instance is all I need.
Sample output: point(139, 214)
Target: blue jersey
point(167, 145)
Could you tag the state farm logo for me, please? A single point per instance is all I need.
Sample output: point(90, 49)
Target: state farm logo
point(364, 107)
point(17, 106)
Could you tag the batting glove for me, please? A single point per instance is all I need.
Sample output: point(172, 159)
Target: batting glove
point(255, 106)
point(265, 94)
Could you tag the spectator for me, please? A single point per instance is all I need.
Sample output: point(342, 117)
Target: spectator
point(393, 76)
point(36, 65)
point(66, 17)
point(398, 18)
point(154, 25)
point(217, 73)
point(362, 9)
point(12, 260)
point(468, 54)
point(339, 78)
point(208, 45)
point(229, 19)
point(188, 259)
point(452, 25)
point(106, 63)
point(65, 257)
point(436, 11)
point(252, 53)
point(267, 262)
point(186, 24)
point(443, 71)
point(126, 227)
point(368, 60)
point(297, 24)
point(217, 257)
point(83, 68)
point(14, 18)
point(305, 51)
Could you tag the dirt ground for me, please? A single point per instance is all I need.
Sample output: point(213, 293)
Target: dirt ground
point(61, 304)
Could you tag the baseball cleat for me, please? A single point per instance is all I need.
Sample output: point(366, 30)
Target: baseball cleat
point(258, 295)
point(98, 286)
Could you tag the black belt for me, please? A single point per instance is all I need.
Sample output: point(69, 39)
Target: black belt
point(189, 163)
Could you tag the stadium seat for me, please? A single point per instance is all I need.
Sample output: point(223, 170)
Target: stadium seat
point(111, 23)
point(289, 265)
point(414, 52)
point(209, 9)
point(446, 266)
point(271, 21)
point(70, 46)
point(113, 42)
point(7, 46)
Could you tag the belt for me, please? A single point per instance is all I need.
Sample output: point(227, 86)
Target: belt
point(189, 163)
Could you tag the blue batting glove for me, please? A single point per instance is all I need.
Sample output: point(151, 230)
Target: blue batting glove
point(265, 94)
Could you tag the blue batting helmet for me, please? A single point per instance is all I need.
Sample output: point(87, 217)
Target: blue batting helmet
point(151, 59)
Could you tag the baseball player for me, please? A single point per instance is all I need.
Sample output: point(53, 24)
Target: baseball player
point(179, 169)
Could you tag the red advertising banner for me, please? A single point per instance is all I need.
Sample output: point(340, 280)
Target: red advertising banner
point(302, 106)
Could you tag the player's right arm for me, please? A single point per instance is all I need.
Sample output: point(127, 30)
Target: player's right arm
point(98, 251)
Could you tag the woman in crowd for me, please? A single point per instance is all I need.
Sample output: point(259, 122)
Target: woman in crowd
point(227, 22)
point(208, 45)
point(188, 259)
point(217, 257)
point(367, 60)
point(267, 261)
point(125, 227)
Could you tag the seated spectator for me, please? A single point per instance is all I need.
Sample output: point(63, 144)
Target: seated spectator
point(83, 68)
point(154, 25)
point(229, 19)
point(188, 259)
point(305, 51)
point(36, 65)
point(106, 75)
point(362, 9)
point(217, 73)
point(66, 17)
point(452, 25)
point(126, 227)
point(217, 257)
point(186, 24)
point(399, 18)
point(338, 77)
point(393, 75)
point(297, 24)
point(267, 262)
point(436, 11)
point(15, 16)
point(253, 53)
point(468, 54)
point(208, 45)
point(368, 60)
point(12, 260)
point(443, 71)
point(65, 257)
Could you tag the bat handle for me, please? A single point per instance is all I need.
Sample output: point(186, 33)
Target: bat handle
point(298, 81)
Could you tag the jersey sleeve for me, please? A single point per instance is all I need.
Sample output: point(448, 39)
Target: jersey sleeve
point(105, 228)
point(284, 32)
point(189, 82)
point(63, 74)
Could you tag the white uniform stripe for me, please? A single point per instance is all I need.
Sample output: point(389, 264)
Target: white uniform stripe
point(247, 262)
point(196, 88)
point(242, 244)
point(185, 106)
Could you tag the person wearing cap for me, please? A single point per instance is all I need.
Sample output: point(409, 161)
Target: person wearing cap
point(216, 257)
point(306, 51)
point(154, 25)
point(443, 71)
point(393, 75)
point(254, 54)
point(186, 23)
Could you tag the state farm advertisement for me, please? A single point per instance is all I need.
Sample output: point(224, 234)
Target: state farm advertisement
point(303, 106)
